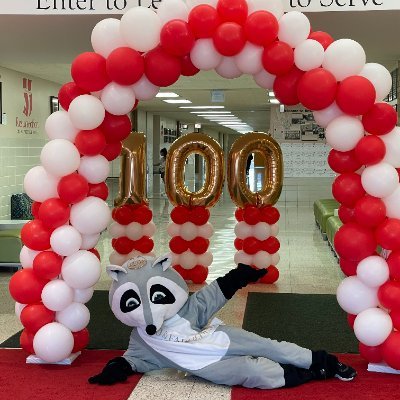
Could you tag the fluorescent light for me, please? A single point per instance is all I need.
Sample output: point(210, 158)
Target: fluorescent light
point(233, 123)
point(225, 120)
point(209, 112)
point(167, 94)
point(271, 94)
point(181, 101)
point(274, 101)
point(204, 107)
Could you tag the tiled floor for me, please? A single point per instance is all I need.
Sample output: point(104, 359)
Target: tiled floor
point(307, 266)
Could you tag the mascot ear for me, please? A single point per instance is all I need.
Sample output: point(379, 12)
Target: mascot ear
point(113, 271)
point(165, 261)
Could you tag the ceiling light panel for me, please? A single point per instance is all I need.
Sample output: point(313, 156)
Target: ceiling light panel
point(167, 94)
point(180, 101)
point(203, 107)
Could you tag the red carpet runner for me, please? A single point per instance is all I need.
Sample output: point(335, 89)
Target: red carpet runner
point(52, 382)
point(367, 385)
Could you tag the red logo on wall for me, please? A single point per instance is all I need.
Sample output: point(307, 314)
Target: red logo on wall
point(27, 85)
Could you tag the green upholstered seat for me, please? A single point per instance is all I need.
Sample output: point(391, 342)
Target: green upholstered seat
point(324, 209)
point(332, 226)
point(10, 246)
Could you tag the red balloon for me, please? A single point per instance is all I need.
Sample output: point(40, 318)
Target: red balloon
point(229, 39)
point(354, 242)
point(89, 72)
point(380, 119)
point(199, 215)
point(347, 189)
point(394, 265)
point(98, 190)
point(350, 320)
point(317, 89)
point(391, 350)
point(272, 275)
point(395, 315)
point(180, 215)
point(124, 215)
point(238, 243)
point(36, 235)
point(35, 209)
point(389, 295)
point(90, 143)
point(251, 215)
point(346, 214)
point(47, 265)
point(116, 128)
point(26, 341)
point(178, 245)
point(96, 253)
point(125, 66)
point(239, 214)
point(54, 213)
point(203, 21)
point(233, 10)
point(123, 245)
point(81, 340)
point(270, 215)
point(285, 87)
point(343, 161)
point(26, 287)
point(199, 245)
point(144, 245)
point(69, 92)
point(271, 245)
point(371, 354)
point(370, 211)
point(349, 268)
point(370, 150)
point(143, 215)
point(188, 69)
point(73, 188)
point(112, 151)
point(198, 274)
point(355, 95)
point(261, 28)
point(278, 58)
point(161, 68)
point(251, 245)
point(323, 38)
point(34, 316)
point(388, 234)
point(181, 271)
point(176, 38)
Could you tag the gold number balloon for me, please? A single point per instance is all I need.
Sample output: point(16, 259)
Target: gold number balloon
point(181, 149)
point(132, 181)
point(272, 154)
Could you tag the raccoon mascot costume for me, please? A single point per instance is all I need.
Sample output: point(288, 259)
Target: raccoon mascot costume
point(171, 330)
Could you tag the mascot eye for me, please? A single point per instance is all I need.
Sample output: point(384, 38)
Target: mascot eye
point(159, 294)
point(129, 301)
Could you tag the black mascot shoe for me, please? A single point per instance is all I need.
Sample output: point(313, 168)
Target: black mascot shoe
point(325, 366)
point(345, 372)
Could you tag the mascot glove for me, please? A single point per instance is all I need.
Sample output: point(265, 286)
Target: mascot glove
point(116, 370)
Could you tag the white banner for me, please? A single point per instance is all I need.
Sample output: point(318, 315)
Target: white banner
point(76, 7)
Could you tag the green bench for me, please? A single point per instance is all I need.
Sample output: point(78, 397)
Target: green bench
point(323, 210)
point(332, 226)
point(10, 247)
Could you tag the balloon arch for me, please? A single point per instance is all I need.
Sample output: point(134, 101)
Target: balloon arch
point(134, 57)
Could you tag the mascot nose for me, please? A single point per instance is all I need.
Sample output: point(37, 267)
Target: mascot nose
point(151, 329)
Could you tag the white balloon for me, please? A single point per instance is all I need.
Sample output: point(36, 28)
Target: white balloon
point(26, 257)
point(106, 36)
point(206, 230)
point(324, 117)
point(60, 157)
point(392, 144)
point(53, 342)
point(90, 241)
point(116, 230)
point(205, 259)
point(134, 231)
point(140, 28)
point(86, 112)
point(262, 259)
point(343, 133)
point(172, 9)
point(188, 260)
point(392, 204)
point(249, 59)
point(344, 58)
point(262, 231)
point(59, 126)
point(275, 258)
point(83, 295)
point(75, 317)
point(264, 79)
point(373, 326)
point(144, 89)
point(380, 77)
point(243, 230)
point(380, 180)
point(40, 185)
point(188, 231)
point(204, 55)
point(117, 259)
point(373, 271)
point(309, 55)
point(149, 229)
point(243, 258)
point(273, 6)
point(118, 99)
point(274, 230)
point(94, 168)
point(90, 216)
point(194, 3)
point(294, 28)
point(18, 309)
point(228, 69)
point(65, 240)
point(173, 229)
point(354, 297)
point(57, 295)
point(81, 270)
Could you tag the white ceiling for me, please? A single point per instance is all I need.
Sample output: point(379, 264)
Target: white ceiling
point(44, 46)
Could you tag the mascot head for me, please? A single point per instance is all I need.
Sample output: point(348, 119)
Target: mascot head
point(146, 291)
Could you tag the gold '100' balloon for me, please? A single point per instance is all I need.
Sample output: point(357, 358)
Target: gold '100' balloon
point(180, 150)
point(272, 154)
point(132, 181)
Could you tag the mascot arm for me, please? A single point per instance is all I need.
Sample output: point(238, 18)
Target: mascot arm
point(239, 278)
point(116, 370)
